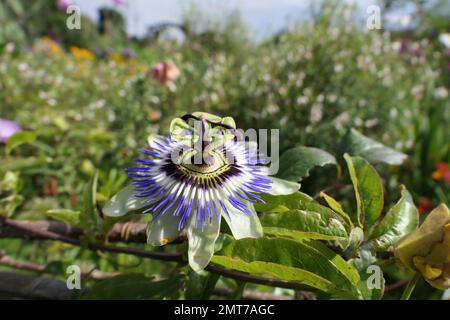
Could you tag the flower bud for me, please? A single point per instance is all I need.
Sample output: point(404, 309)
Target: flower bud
point(427, 249)
point(87, 167)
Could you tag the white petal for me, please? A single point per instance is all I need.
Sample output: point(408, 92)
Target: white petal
point(163, 229)
point(123, 202)
point(242, 225)
point(283, 187)
point(154, 137)
point(201, 243)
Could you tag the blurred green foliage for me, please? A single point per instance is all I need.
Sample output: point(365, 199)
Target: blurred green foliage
point(92, 110)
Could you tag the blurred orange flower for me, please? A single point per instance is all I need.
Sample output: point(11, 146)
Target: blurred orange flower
point(154, 115)
point(442, 172)
point(81, 54)
point(51, 188)
point(49, 47)
point(165, 72)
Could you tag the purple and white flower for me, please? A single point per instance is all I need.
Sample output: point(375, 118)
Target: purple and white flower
point(7, 129)
point(189, 197)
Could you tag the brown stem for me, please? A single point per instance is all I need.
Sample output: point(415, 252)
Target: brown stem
point(30, 266)
point(99, 275)
point(16, 285)
point(396, 285)
point(123, 232)
point(41, 233)
point(24, 265)
point(41, 230)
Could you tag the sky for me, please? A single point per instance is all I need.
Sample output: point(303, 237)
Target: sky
point(263, 17)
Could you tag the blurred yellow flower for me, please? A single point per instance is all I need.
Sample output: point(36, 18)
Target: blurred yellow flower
point(427, 249)
point(81, 54)
point(117, 58)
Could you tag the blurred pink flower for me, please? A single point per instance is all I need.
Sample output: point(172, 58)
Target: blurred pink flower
point(424, 205)
point(63, 4)
point(165, 72)
point(442, 172)
point(7, 129)
point(117, 2)
point(417, 50)
point(157, 71)
point(404, 47)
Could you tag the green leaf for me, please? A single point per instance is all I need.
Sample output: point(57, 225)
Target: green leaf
point(296, 163)
point(90, 196)
point(305, 262)
point(401, 219)
point(89, 219)
point(10, 182)
point(357, 144)
point(64, 215)
point(58, 267)
point(134, 286)
point(17, 7)
point(368, 190)
point(336, 206)
point(20, 138)
point(296, 200)
point(355, 239)
point(301, 224)
point(200, 285)
point(9, 204)
point(307, 217)
point(23, 164)
point(110, 182)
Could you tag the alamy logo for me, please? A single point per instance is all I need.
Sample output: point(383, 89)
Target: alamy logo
point(375, 278)
point(74, 277)
point(374, 19)
point(73, 21)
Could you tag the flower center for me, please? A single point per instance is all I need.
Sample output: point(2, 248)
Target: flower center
point(211, 164)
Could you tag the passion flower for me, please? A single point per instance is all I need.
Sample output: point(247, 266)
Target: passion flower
point(192, 178)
